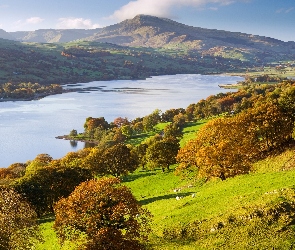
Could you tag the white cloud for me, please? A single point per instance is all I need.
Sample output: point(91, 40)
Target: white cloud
point(290, 9)
point(162, 8)
point(34, 20)
point(283, 10)
point(20, 24)
point(76, 23)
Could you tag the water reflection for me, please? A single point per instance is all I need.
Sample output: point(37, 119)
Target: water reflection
point(74, 144)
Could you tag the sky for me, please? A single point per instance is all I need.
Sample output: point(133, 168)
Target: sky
point(271, 18)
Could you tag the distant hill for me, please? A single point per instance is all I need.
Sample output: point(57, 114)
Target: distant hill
point(134, 49)
point(51, 35)
point(6, 35)
point(155, 32)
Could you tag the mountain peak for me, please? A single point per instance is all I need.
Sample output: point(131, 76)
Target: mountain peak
point(147, 20)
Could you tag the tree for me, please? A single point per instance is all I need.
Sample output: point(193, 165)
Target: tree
point(179, 120)
point(47, 185)
point(14, 171)
point(92, 123)
point(18, 222)
point(120, 121)
point(119, 160)
point(106, 212)
point(127, 130)
point(162, 153)
point(173, 130)
point(273, 125)
point(138, 127)
point(140, 151)
point(168, 115)
point(223, 148)
point(73, 133)
point(151, 120)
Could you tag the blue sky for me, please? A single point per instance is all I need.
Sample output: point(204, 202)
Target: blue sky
point(272, 18)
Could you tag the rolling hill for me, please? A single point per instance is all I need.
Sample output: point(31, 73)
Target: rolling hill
point(155, 32)
point(134, 49)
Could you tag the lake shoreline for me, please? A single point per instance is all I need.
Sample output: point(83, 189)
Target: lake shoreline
point(30, 128)
point(69, 138)
point(64, 91)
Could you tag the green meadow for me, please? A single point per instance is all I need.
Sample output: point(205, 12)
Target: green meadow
point(250, 211)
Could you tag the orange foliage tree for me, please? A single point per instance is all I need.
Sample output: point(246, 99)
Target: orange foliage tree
point(227, 146)
point(106, 212)
point(18, 222)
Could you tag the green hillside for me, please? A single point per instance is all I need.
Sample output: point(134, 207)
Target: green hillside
point(217, 214)
point(74, 62)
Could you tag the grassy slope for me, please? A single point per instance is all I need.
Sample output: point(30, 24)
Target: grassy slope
point(214, 201)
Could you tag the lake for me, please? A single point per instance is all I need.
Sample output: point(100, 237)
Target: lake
point(28, 128)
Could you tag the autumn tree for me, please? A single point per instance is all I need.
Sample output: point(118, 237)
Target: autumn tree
point(18, 222)
point(92, 123)
point(179, 120)
point(274, 126)
point(119, 160)
point(169, 114)
point(106, 212)
point(140, 151)
point(47, 185)
point(127, 130)
point(162, 153)
point(138, 127)
point(14, 171)
point(223, 148)
point(120, 121)
point(173, 130)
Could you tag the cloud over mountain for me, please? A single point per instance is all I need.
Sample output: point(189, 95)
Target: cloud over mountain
point(34, 20)
point(76, 23)
point(162, 8)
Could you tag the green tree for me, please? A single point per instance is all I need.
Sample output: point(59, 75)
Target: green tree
point(106, 212)
point(151, 120)
point(73, 133)
point(173, 130)
point(47, 185)
point(119, 160)
point(127, 130)
point(141, 154)
point(162, 153)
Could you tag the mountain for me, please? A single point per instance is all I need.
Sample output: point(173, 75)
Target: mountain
point(6, 35)
point(155, 32)
point(51, 35)
point(150, 31)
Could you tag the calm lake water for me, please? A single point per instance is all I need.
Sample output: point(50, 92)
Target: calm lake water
point(29, 128)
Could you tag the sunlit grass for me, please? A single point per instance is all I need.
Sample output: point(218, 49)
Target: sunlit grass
point(207, 201)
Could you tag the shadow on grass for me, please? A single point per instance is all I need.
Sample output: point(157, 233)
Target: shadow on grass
point(134, 177)
point(165, 197)
point(47, 218)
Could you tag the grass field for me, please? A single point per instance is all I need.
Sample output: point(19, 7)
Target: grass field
point(237, 213)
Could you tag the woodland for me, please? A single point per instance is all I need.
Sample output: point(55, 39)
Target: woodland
point(218, 163)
